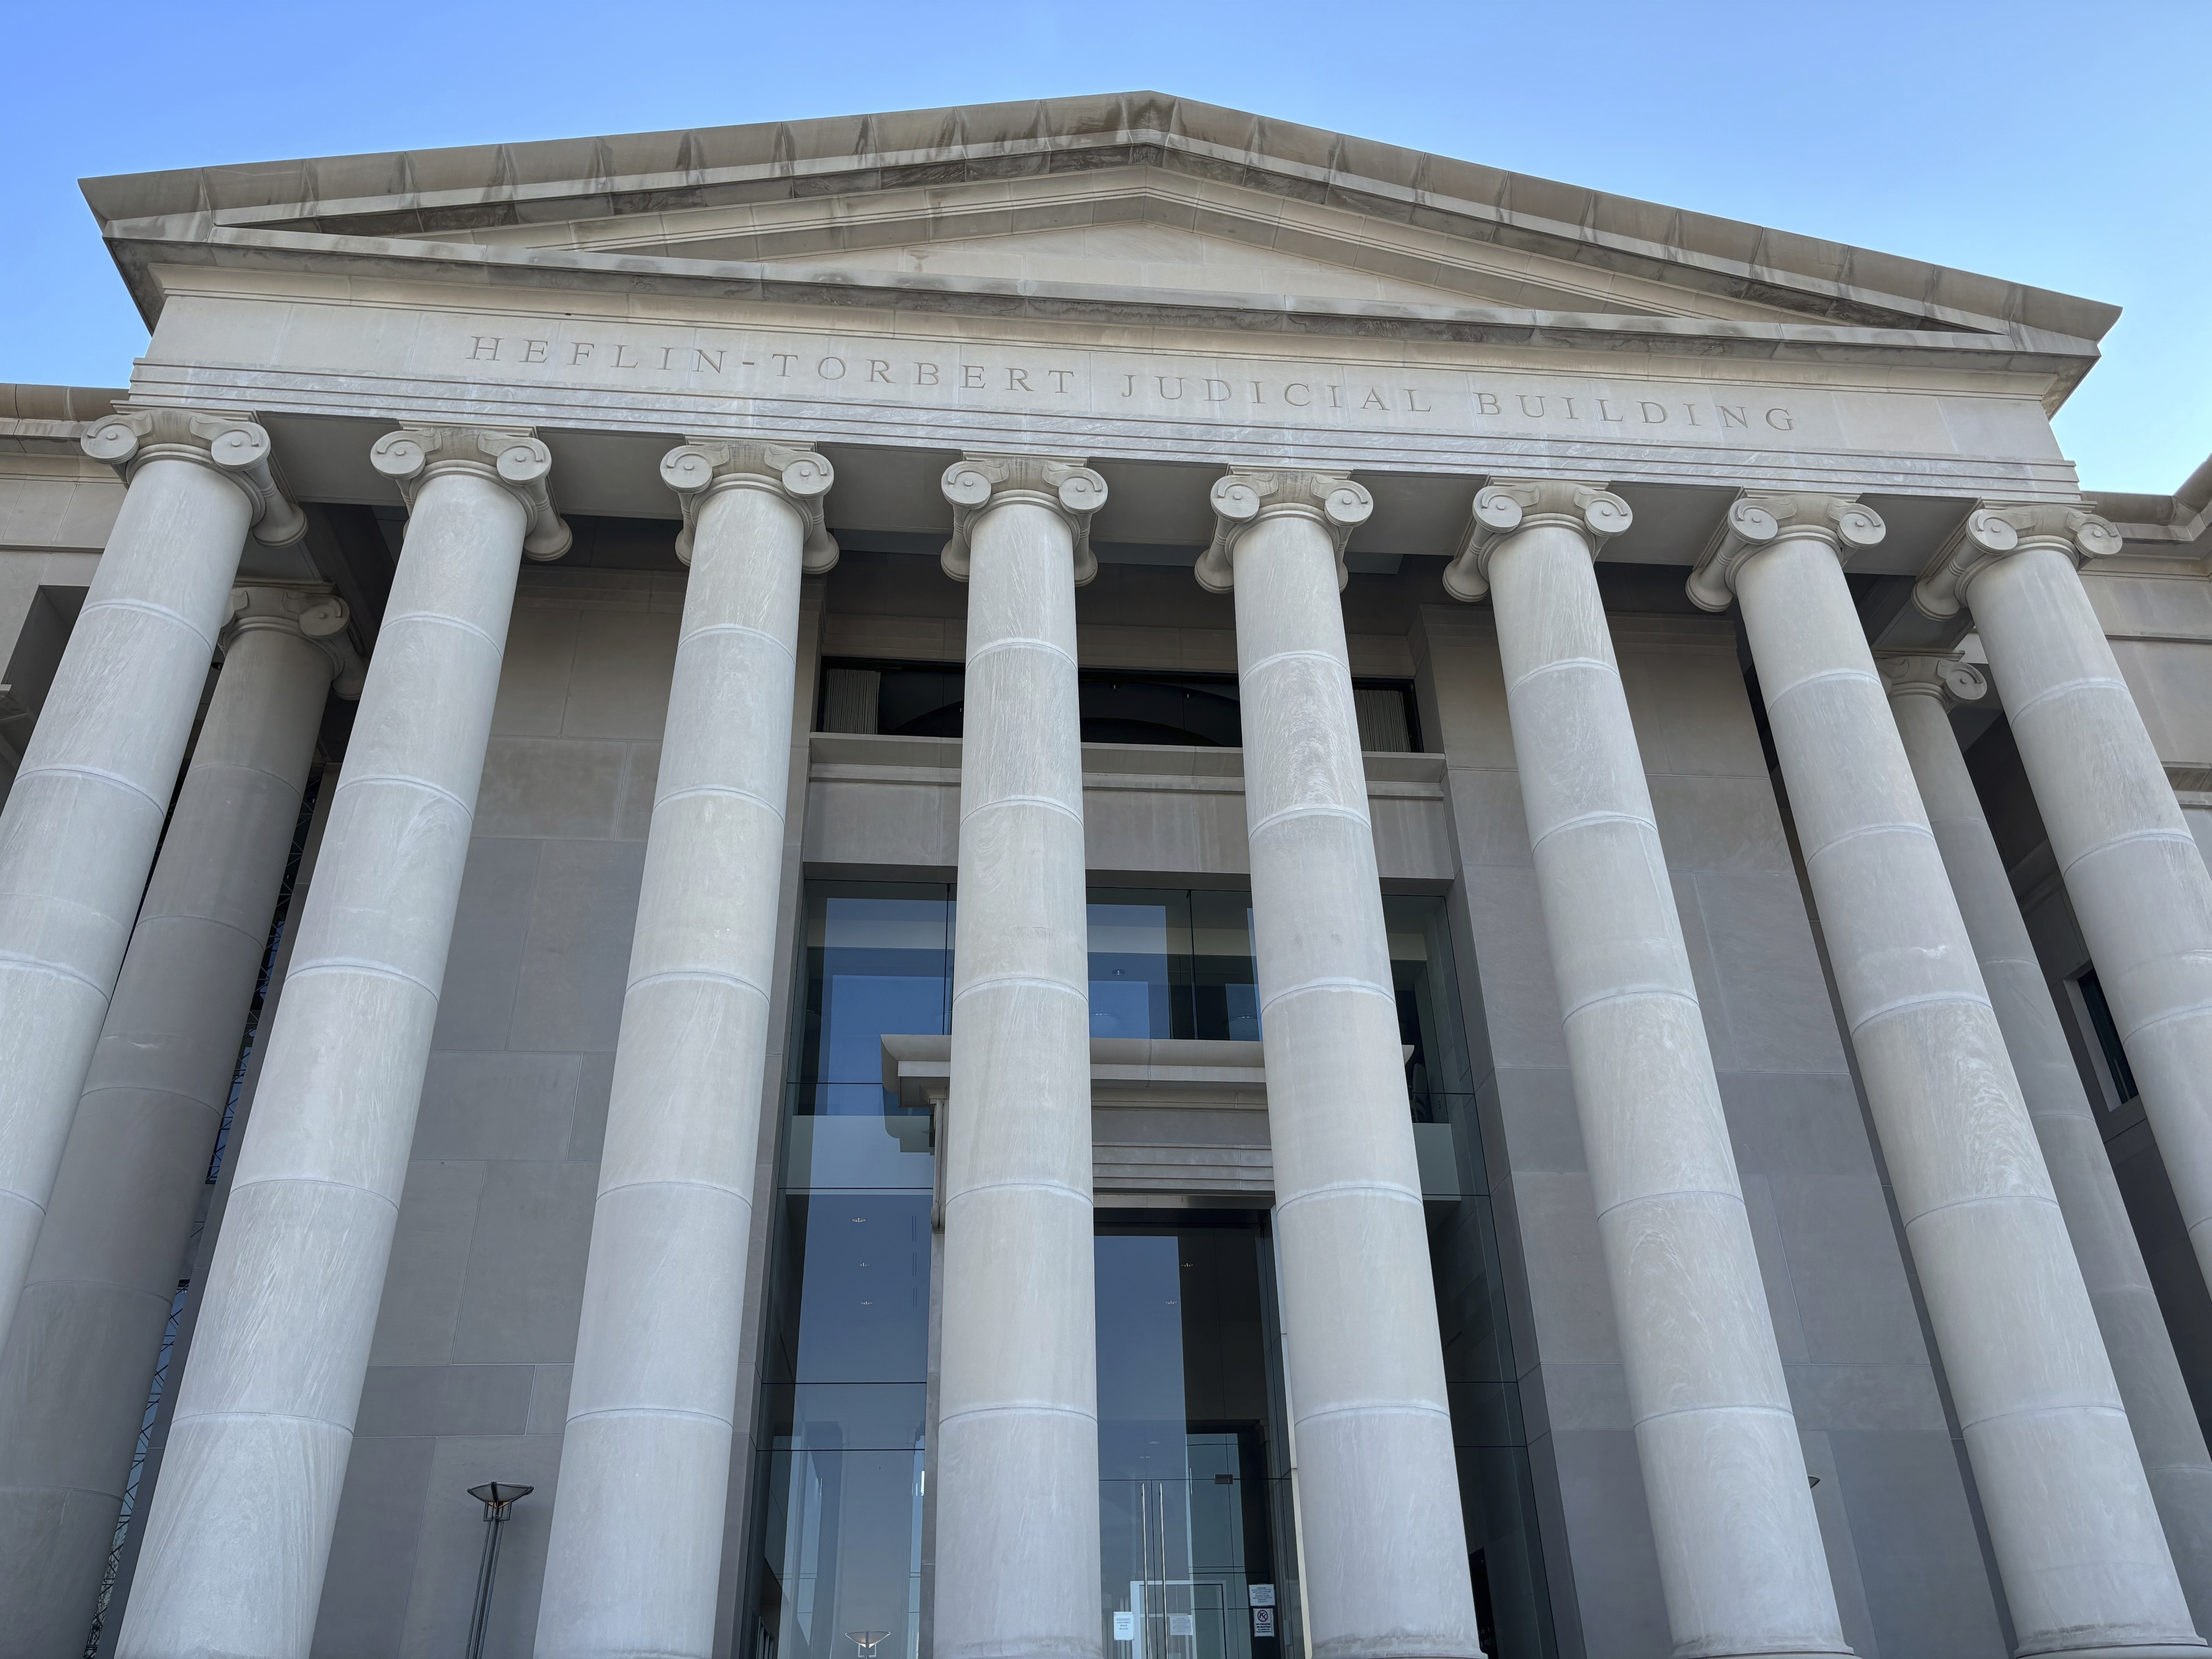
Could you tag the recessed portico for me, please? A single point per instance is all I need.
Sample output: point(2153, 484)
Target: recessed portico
point(708, 889)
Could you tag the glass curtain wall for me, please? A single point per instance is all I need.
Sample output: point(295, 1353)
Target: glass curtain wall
point(1193, 1470)
point(845, 1359)
point(1172, 963)
point(842, 1478)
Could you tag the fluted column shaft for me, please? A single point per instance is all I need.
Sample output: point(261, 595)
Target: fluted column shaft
point(88, 1331)
point(78, 834)
point(636, 1550)
point(240, 1529)
point(2137, 881)
point(2071, 1521)
point(2166, 1432)
point(1379, 1503)
point(1017, 1418)
point(1741, 1558)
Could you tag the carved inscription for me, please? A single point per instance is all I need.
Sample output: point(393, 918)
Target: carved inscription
point(1345, 395)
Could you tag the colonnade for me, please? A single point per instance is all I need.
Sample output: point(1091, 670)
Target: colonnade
point(2093, 1477)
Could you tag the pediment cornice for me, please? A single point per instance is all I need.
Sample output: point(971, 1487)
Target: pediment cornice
point(2062, 361)
point(440, 206)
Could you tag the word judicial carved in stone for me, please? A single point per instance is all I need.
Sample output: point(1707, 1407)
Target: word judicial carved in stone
point(1170, 394)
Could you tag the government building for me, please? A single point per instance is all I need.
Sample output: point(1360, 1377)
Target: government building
point(1088, 880)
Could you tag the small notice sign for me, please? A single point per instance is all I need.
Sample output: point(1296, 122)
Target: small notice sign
point(1182, 1623)
point(1263, 1621)
point(1263, 1595)
point(1125, 1627)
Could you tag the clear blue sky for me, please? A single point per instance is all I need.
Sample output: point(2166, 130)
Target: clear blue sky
point(2064, 145)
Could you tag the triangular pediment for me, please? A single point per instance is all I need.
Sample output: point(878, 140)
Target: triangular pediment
point(1139, 230)
point(1134, 207)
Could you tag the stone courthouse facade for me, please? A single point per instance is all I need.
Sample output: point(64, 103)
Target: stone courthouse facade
point(1092, 881)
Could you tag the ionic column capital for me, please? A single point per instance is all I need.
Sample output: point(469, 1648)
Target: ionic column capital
point(976, 483)
point(312, 612)
point(1243, 497)
point(1943, 675)
point(702, 468)
point(1995, 529)
point(1506, 506)
point(512, 458)
point(230, 444)
point(1756, 521)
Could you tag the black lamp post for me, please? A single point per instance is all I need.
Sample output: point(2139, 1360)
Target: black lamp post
point(495, 1498)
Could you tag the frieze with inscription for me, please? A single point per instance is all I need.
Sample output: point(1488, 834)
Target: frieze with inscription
point(1338, 395)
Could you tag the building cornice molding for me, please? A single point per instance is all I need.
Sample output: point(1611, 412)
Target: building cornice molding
point(420, 192)
point(1995, 529)
point(2062, 359)
point(701, 468)
point(514, 458)
point(1243, 497)
point(1064, 484)
point(1842, 522)
point(231, 444)
point(1505, 507)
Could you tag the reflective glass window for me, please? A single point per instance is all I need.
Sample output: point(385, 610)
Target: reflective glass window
point(1194, 1511)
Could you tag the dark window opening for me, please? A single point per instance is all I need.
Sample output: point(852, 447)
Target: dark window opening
point(2108, 1037)
point(1187, 711)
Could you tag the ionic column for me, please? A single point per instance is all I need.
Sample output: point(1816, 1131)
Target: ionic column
point(1017, 1420)
point(74, 1371)
point(240, 1529)
point(1740, 1559)
point(1385, 1542)
point(1922, 686)
point(2136, 879)
point(81, 822)
point(636, 1549)
point(2075, 1533)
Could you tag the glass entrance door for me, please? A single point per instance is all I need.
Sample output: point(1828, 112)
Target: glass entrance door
point(1193, 1488)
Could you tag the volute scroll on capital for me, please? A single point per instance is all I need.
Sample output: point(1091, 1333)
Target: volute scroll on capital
point(1995, 529)
point(976, 483)
point(1943, 675)
point(313, 612)
point(233, 444)
point(515, 457)
point(699, 468)
point(1242, 497)
point(1505, 507)
point(1754, 522)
